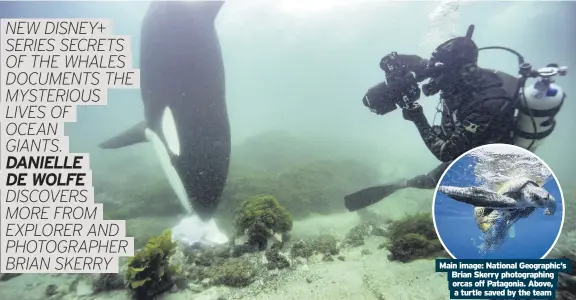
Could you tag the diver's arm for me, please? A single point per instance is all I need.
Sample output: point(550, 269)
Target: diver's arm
point(470, 133)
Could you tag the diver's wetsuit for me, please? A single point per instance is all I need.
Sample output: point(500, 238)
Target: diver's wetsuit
point(473, 115)
point(476, 113)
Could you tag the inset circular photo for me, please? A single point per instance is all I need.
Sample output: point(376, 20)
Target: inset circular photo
point(498, 202)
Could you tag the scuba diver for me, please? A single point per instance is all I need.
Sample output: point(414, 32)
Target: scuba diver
point(480, 106)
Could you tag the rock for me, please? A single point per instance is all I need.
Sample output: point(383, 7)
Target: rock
point(277, 260)
point(567, 282)
point(196, 288)
point(366, 252)
point(51, 290)
point(8, 276)
point(239, 250)
point(56, 297)
point(355, 237)
point(309, 280)
point(82, 286)
point(107, 282)
point(341, 258)
point(180, 282)
point(327, 258)
point(326, 244)
point(301, 249)
point(236, 272)
point(379, 230)
point(299, 260)
point(316, 258)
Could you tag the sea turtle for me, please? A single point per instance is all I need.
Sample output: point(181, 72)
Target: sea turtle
point(512, 199)
point(517, 193)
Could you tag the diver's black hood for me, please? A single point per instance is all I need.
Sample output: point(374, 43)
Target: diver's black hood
point(456, 53)
point(450, 63)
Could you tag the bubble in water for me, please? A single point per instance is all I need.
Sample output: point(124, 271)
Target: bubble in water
point(443, 21)
point(499, 164)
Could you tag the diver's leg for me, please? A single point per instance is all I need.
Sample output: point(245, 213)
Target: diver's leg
point(427, 181)
point(375, 194)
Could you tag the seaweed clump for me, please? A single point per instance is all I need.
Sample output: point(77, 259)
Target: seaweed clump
point(413, 237)
point(149, 272)
point(261, 217)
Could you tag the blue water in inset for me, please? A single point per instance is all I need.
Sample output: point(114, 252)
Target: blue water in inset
point(456, 226)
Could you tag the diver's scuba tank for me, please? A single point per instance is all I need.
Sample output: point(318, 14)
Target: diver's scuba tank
point(537, 106)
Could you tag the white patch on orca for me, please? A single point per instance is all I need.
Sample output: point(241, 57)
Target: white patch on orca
point(170, 131)
point(214, 235)
point(169, 170)
point(192, 231)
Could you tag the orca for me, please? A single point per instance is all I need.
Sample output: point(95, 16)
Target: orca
point(182, 85)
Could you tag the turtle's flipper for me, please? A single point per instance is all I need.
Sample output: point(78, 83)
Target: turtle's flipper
point(512, 232)
point(478, 196)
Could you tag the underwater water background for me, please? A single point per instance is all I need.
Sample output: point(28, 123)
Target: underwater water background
point(296, 72)
point(303, 67)
point(458, 230)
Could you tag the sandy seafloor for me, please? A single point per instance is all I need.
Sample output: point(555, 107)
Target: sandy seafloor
point(359, 276)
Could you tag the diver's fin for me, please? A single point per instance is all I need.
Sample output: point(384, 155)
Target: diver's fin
point(512, 231)
point(369, 196)
point(478, 196)
point(134, 135)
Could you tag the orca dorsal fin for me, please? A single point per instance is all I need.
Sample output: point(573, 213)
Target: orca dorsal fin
point(134, 135)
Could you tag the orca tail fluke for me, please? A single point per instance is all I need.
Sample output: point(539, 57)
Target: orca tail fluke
point(134, 135)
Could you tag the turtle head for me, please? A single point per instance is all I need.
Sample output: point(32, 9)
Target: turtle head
point(548, 202)
point(551, 208)
point(540, 197)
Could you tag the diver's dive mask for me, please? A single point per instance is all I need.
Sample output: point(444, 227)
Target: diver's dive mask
point(433, 72)
point(450, 61)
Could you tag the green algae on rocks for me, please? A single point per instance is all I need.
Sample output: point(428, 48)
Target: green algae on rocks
point(413, 237)
point(260, 217)
point(236, 272)
point(325, 244)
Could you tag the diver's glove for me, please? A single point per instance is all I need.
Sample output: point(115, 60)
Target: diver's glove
point(413, 113)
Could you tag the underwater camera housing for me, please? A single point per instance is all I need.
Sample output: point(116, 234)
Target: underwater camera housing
point(399, 89)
